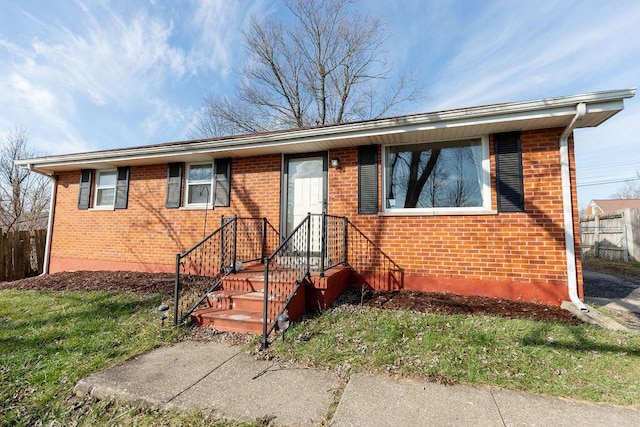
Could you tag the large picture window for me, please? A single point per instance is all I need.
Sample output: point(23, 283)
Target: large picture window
point(430, 177)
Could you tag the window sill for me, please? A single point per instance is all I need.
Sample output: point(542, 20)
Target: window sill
point(102, 208)
point(439, 212)
point(197, 208)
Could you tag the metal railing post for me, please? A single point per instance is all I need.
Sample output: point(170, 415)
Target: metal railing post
point(235, 242)
point(323, 242)
point(265, 313)
point(176, 291)
point(344, 241)
point(223, 244)
point(264, 239)
point(308, 242)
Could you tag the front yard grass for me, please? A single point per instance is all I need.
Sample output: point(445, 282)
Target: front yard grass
point(50, 340)
point(582, 362)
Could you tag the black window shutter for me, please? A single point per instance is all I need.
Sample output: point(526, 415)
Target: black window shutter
point(174, 185)
point(509, 182)
point(368, 179)
point(223, 182)
point(84, 194)
point(122, 188)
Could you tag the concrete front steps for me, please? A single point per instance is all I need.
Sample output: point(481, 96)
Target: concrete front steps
point(238, 305)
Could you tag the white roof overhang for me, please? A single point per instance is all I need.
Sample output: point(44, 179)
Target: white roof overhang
point(428, 127)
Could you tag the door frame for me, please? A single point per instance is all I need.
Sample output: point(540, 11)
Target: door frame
point(284, 185)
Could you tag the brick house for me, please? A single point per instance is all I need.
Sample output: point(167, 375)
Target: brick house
point(475, 201)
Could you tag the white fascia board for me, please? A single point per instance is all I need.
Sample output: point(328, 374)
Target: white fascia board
point(473, 116)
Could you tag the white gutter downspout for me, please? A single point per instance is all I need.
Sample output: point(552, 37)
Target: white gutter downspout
point(52, 207)
point(567, 205)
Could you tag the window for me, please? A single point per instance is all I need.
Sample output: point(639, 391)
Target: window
point(106, 188)
point(111, 192)
point(441, 177)
point(199, 184)
point(208, 182)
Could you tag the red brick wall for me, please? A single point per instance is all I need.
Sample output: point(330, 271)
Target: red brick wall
point(146, 236)
point(513, 255)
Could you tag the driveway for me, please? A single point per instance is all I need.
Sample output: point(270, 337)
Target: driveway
point(621, 297)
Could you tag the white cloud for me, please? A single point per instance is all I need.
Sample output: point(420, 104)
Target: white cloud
point(163, 119)
point(37, 98)
point(517, 51)
point(217, 26)
point(97, 75)
point(72, 74)
point(113, 60)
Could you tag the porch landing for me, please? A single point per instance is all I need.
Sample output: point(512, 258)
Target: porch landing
point(238, 305)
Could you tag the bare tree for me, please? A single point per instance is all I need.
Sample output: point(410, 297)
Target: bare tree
point(630, 190)
point(430, 196)
point(435, 177)
point(462, 190)
point(24, 195)
point(418, 176)
point(325, 65)
point(411, 171)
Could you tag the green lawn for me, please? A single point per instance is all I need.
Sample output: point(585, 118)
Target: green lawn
point(50, 340)
point(583, 362)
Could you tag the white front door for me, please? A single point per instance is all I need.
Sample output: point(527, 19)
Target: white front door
point(305, 191)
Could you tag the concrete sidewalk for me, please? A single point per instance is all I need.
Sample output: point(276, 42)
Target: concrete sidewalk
point(222, 381)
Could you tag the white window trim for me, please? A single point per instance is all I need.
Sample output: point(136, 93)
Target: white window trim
point(191, 206)
point(485, 209)
point(110, 207)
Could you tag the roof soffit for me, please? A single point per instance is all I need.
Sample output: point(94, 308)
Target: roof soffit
point(428, 127)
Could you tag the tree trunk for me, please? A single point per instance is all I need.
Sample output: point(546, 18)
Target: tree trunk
point(416, 183)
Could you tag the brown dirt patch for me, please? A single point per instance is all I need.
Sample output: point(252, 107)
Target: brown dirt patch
point(425, 302)
point(429, 302)
point(127, 281)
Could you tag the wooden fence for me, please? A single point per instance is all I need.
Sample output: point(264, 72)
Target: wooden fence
point(612, 235)
point(21, 254)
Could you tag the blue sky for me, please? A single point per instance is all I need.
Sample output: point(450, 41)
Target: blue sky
point(106, 74)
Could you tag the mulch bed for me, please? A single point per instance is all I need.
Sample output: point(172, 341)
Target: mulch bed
point(425, 302)
point(127, 281)
point(430, 302)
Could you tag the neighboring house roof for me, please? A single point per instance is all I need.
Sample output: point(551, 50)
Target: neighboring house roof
point(427, 127)
point(610, 205)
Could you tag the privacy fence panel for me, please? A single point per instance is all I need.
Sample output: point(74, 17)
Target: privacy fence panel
point(613, 235)
point(21, 254)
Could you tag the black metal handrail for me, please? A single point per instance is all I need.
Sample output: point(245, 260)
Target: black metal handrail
point(288, 266)
point(371, 265)
point(334, 242)
point(317, 244)
point(200, 269)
